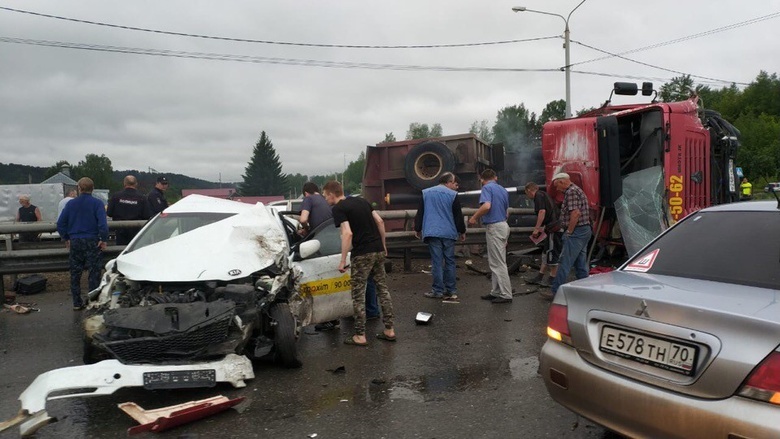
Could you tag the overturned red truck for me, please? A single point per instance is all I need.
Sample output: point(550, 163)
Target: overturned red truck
point(643, 166)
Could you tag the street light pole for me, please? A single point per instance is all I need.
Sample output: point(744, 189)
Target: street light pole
point(566, 44)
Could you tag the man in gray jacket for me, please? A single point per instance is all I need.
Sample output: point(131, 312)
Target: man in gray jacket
point(440, 219)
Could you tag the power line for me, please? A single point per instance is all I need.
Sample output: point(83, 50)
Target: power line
point(637, 77)
point(283, 43)
point(617, 55)
point(259, 59)
point(686, 38)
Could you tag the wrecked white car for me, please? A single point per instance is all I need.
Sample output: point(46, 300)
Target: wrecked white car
point(211, 277)
point(204, 288)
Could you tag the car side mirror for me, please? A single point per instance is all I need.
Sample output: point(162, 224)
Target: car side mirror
point(308, 248)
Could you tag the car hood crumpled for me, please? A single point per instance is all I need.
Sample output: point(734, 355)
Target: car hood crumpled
point(229, 249)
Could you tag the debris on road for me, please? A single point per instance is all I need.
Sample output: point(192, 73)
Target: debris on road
point(166, 418)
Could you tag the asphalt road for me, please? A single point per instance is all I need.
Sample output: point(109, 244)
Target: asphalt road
point(470, 373)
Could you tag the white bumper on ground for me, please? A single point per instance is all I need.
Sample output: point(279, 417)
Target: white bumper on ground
point(105, 378)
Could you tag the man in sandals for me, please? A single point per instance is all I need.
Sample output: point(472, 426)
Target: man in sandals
point(364, 231)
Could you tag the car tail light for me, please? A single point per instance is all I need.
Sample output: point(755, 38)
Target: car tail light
point(558, 323)
point(763, 383)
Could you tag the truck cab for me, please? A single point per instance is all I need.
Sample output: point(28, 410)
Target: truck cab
point(643, 166)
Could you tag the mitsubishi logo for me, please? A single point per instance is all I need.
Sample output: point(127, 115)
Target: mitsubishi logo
point(642, 310)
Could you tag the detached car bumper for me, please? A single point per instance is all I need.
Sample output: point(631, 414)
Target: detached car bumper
point(640, 410)
point(108, 376)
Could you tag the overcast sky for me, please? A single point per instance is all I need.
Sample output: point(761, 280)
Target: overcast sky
point(202, 117)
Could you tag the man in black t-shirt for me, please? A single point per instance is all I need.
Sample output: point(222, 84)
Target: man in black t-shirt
point(547, 221)
point(364, 231)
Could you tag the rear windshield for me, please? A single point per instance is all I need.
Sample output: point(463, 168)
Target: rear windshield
point(734, 247)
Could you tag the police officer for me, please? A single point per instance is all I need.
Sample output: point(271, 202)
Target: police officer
point(156, 197)
point(129, 204)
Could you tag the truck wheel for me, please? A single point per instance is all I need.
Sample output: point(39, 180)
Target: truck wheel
point(285, 341)
point(425, 163)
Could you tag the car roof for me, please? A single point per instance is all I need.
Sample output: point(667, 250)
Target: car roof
point(200, 203)
point(745, 206)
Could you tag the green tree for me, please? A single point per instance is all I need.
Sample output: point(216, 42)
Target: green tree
point(516, 128)
point(295, 182)
point(481, 128)
point(353, 176)
point(679, 89)
point(554, 110)
point(759, 155)
point(423, 131)
point(264, 172)
point(98, 168)
point(389, 137)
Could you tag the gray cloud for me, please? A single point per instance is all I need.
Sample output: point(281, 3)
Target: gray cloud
point(202, 118)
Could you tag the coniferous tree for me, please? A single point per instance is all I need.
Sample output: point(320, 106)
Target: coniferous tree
point(264, 172)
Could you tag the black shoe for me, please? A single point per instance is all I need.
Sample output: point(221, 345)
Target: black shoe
point(501, 300)
point(327, 326)
point(487, 297)
point(535, 280)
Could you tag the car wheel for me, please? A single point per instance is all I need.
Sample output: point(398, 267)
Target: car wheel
point(285, 342)
point(425, 163)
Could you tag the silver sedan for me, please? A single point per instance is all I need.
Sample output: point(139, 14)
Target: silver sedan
point(682, 340)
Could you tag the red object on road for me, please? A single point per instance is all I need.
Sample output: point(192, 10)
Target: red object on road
point(166, 418)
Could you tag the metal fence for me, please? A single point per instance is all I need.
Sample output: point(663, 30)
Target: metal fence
point(50, 255)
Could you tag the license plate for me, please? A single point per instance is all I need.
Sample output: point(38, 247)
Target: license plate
point(655, 351)
point(180, 379)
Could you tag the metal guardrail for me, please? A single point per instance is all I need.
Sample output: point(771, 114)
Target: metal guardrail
point(50, 254)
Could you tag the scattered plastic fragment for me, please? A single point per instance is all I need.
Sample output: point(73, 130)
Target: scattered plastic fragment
point(172, 416)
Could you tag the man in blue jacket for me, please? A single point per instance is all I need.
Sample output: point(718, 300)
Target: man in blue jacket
point(440, 219)
point(84, 228)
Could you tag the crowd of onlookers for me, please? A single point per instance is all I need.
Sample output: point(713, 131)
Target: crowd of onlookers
point(82, 222)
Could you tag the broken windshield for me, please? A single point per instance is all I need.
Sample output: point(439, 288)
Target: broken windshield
point(168, 225)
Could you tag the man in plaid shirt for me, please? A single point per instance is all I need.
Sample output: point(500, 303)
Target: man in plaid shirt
point(577, 228)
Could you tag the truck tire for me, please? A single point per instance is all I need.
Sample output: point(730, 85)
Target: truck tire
point(285, 341)
point(425, 163)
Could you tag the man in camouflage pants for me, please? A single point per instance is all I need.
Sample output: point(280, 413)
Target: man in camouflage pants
point(364, 231)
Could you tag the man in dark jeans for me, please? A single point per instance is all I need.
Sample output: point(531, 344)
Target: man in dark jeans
point(440, 221)
point(84, 228)
point(575, 221)
point(364, 231)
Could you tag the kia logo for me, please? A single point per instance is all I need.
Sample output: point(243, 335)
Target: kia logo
point(234, 272)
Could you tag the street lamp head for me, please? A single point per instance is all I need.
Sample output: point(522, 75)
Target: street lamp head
point(519, 8)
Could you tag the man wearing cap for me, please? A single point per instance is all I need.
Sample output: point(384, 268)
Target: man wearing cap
point(577, 228)
point(493, 205)
point(156, 197)
point(128, 204)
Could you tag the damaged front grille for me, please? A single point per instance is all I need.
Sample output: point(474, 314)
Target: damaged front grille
point(165, 332)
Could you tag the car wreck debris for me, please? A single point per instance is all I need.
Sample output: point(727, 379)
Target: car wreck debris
point(106, 377)
point(165, 418)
